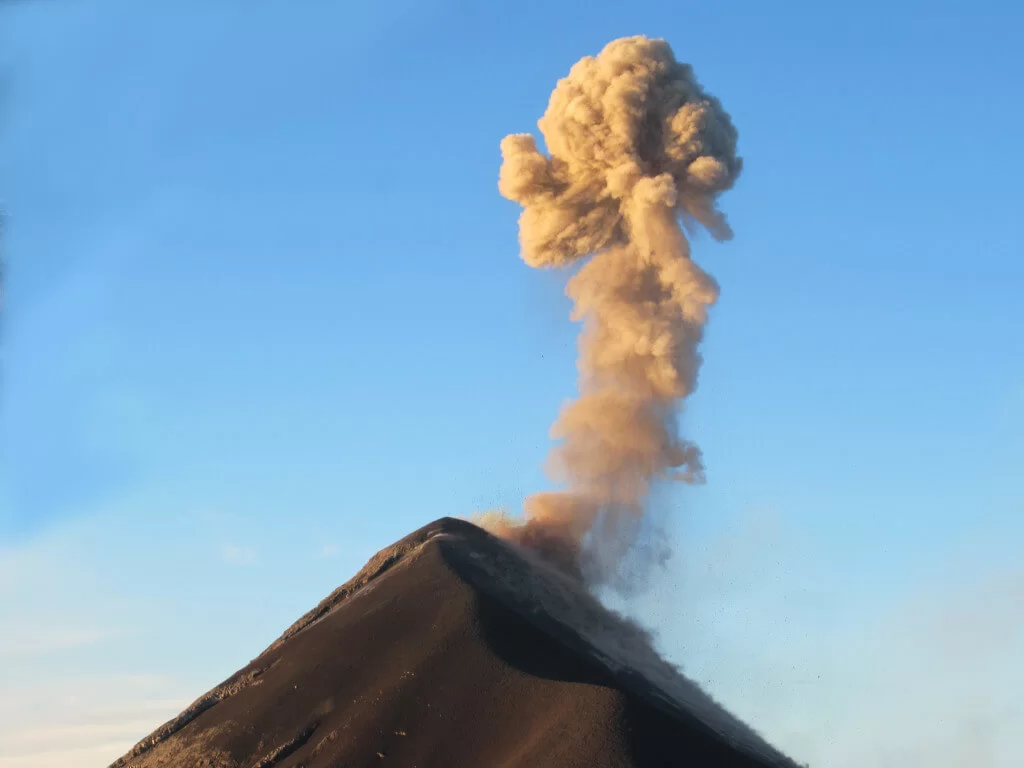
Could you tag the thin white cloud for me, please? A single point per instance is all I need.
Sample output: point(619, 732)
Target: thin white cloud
point(17, 566)
point(238, 554)
point(72, 735)
point(96, 754)
point(86, 721)
point(39, 640)
point(329, 550)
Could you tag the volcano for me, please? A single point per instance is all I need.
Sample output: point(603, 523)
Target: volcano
point(454, 649)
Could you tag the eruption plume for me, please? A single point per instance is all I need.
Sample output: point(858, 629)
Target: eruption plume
point(635, 148)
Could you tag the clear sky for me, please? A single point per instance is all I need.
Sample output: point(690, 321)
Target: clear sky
point(265, 314)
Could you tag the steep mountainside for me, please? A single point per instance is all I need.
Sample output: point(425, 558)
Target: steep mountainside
point(453, 649)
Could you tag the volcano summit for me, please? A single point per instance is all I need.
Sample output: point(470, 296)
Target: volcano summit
point(454, 649)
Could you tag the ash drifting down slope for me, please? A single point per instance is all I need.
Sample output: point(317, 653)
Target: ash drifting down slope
point(452, 648)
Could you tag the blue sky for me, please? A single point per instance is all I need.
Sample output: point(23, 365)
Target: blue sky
point(265, 314)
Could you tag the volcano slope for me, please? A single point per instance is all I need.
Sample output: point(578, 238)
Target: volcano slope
point(454, 649)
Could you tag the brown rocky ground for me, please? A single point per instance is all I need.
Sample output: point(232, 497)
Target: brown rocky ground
point(452, 649)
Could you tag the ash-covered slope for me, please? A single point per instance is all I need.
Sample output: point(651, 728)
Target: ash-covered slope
point(452, 649)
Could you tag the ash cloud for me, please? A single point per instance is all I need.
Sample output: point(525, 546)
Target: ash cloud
point(635, 148)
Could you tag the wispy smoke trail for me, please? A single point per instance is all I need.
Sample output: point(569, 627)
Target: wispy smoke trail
point(635, 148)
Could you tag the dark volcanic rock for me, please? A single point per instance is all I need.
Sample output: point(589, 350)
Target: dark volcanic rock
point(452, 649)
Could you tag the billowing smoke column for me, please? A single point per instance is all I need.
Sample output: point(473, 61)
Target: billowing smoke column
point(636, 147)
